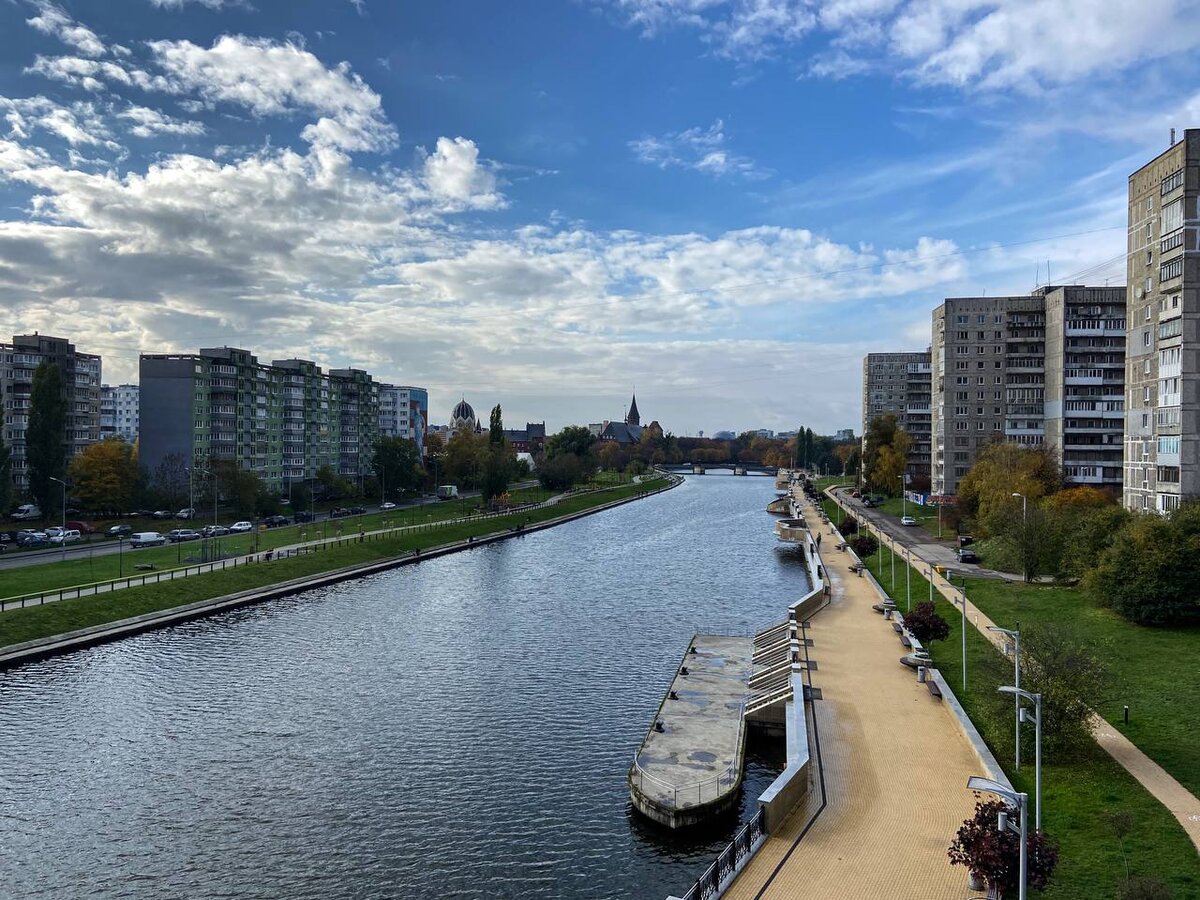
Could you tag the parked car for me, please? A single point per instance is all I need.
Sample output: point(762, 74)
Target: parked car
point(358, 510)
point(119, 531)
point(965, 540)
point(338, 512)
point(907, 520)
point(7, 541)
point(214, 531)
point(303, 517)
point(81, 527)
point(162, 514)
point(967, 555)
point(856, 493)
point(276, 521)
point(33, 539)
point(178, 535)
point(387, 506)
point(70, 536)
point(240, 527)
point(27, 511)
point(146, 539)
point(188, 513)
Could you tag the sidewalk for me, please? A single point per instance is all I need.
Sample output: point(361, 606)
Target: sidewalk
point(1182, 803)
point(893, 769)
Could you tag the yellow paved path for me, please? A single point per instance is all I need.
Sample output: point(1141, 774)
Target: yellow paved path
point(895, 766)
point(1179, 801)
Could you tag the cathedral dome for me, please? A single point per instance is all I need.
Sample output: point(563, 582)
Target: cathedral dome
point(463, 412)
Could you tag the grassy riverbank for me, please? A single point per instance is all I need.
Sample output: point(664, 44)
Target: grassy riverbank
point(1078, 795)
point(68, 615)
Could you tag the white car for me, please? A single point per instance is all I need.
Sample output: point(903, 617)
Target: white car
point(69, 536)
point(907, 520)
point(28, 511)
point(388, 505)
point(146, 539)
point(238, 527)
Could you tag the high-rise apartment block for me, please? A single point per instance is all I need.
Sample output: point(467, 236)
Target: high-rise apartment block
point(404, 413)
point(81, 384)
point(283, 422)
point(1162, 361)
point(1085, 382)
point(899, 384)
point(119, 411)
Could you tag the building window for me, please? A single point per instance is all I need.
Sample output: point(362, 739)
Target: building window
point(1170, 183)
point(1170, 270)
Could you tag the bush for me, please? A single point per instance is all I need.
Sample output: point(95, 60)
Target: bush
point(864, 545)
point(923, 623)
point(994, 856)
point(1144, 887)
point(848, 527)
point(1071, 675)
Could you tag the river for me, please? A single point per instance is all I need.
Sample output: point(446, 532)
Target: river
point(457, 728)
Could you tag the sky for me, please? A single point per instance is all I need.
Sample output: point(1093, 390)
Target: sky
point(549, 204)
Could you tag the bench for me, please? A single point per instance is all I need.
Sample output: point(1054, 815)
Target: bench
point(857, 569)
point(842, 546)
point(897, 627)
point(905, 641)
point(145, 567)
point(933, 688)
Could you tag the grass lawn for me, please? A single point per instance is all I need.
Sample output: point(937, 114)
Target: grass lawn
point(85, 568)
point(54, 618)
point(1077, 795)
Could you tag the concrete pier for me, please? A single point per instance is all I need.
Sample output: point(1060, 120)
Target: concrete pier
point(690, 770)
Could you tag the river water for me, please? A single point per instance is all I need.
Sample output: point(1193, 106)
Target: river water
point(457, 728)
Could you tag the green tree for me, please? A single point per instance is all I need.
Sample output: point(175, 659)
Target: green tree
point(500, 460)
point(463, 460)
point(561, 472)
point(496, 427)
point(5, 475)
point(1002, 469)
point(46, 436)
point(105, 476)
point(576, 440)
point(397, 462)
point(1071, 676)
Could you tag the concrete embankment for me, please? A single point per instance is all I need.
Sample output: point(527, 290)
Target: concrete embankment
point(17, 654)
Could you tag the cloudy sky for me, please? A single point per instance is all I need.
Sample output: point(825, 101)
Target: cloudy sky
point(545, 203)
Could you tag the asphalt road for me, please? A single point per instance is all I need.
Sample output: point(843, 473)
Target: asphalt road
point(918, 540)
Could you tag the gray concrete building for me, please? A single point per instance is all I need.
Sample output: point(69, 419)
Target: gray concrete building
point(81, 383)
point(1085, 383)
point(119, 411)
point(900, 384)
point(1162, 362)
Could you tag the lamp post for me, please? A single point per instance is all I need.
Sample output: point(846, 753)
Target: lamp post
point(908, 576)
point(963, 604)
point(1014, 634)
point(62, 535)
point(1024, 533)
point(1020, 801)
point(120, 556)
point(1037, 746)
point(903, 497)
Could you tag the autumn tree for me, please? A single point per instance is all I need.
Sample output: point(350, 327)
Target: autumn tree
point(1002, 469)
point(170, 480)
point(105, 476)
point(45, 437)
point(886, 457)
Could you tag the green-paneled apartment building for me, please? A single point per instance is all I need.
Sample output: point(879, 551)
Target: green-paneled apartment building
point(282, 421)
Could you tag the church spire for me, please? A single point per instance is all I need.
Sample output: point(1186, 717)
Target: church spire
point(632, 417)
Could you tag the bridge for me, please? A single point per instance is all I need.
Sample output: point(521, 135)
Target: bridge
point(721, 468)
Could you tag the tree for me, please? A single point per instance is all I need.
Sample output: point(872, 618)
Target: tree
point(924, 623)
point(609, 455)
point(1150, 570)
point(170, 481)
point(574, 439)
point(105, 476)
point(46, 437)
point(5, 475)
point(463, 459)
point(397, 462)
point(886, 456)
point(1002, 469)
point(863, 545)
point(994, 856)
point(496, 427)
point(500, 460)
point(1071, 676)
point(559, 473)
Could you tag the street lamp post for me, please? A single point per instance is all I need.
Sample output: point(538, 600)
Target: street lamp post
point(1037, 745)
point(963, 604)
point(908, 576)
point(1015, 635)
point(1020, 801)
point(903, 497)
point(62, 535)
point(1024, 533)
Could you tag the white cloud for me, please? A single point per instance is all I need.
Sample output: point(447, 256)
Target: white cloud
point(453, 173)
point(701, 149)
point(180, 4)
point(80, 124)
point(54, 21)
point(270, 78)
point(149, 122)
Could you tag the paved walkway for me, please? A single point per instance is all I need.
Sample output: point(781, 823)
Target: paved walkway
point(895, 767)
point(1182, 803)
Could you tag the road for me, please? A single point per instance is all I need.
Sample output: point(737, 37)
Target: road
point(916, 539)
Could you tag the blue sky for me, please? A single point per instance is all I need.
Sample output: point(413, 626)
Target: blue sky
point(543, 204)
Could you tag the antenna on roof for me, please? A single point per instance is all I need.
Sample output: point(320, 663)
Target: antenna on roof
point(1172, 137)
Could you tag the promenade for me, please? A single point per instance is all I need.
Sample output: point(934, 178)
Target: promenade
point(890, 788)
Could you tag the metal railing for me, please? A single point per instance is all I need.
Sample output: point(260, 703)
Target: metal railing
point(730, 860)
point(75, 591)
point(693, 793)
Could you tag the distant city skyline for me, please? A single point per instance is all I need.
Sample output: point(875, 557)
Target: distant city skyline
point(739, 206)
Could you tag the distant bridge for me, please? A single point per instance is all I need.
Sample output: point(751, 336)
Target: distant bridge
point(724, 468)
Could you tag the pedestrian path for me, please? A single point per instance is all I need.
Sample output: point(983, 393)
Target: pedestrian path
point(893, 767)
point(1182, 803)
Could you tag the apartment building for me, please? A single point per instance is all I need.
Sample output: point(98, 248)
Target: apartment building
point(119, 405)
point(1085, 383)
point(1162, 362)
point(282, 422)
point(81, 382)
point(404, 413)
point(900, 384)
